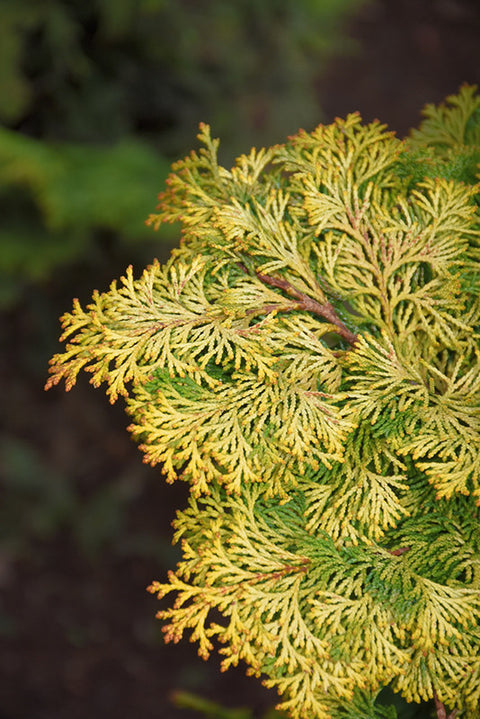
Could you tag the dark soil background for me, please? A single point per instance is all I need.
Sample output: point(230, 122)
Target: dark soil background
point(78, 638)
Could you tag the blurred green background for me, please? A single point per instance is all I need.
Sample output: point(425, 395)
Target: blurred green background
point(97, 98)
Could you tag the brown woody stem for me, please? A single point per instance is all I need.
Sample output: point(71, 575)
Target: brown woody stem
point(305, 302)
point(441, 710)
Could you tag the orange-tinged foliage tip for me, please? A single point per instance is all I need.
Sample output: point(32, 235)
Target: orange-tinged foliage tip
point(51, 382)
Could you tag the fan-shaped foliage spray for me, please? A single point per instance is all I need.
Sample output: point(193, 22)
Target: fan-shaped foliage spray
point(308, 360)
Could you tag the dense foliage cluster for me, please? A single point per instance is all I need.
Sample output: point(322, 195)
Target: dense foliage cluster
point(308, 361)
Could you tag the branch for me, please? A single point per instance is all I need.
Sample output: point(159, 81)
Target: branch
point(441, 710)
point(305, 302)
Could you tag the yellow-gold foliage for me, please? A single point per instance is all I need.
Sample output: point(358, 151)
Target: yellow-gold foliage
point(308, 360)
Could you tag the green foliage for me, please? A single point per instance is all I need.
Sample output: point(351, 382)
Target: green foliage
point(94, 93)
point(308, 361)
point(99, 70)
point(58, 196)
point(212, 710)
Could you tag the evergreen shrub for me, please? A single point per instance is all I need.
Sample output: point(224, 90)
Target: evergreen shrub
point(308, 361)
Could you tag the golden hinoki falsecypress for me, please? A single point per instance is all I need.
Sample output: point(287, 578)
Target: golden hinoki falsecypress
point(308, 360)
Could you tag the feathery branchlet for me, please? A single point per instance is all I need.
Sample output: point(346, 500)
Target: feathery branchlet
point(308, 360)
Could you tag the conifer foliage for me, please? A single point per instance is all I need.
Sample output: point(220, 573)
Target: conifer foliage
point(308, 360)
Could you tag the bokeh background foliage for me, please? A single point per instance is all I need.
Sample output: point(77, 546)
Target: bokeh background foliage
point(97, 97)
